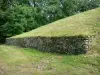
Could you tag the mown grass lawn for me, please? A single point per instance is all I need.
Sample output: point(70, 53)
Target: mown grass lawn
point(25, 61)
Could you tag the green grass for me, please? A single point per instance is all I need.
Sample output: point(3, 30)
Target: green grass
point(86, 23)
point(25, 61)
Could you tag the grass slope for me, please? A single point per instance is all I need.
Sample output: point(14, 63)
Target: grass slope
point(86, 23)
point(25, 61)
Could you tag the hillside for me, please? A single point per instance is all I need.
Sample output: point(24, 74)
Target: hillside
point(26, 61)
point(86, 23)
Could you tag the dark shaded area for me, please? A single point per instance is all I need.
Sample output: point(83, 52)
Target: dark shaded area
point(64, 45)
point(2, 40)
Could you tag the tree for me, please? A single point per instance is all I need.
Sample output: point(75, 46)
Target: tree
point(20, 19)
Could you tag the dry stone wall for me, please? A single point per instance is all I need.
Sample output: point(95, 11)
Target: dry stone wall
point(69, 45)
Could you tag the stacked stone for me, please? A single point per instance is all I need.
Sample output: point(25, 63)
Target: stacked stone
point(68, 45)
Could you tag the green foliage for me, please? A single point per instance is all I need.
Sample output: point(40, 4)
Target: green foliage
point(84, 5)
point(69, 7)
point(20, 19)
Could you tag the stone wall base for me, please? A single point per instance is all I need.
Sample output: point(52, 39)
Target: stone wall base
point(68, 45)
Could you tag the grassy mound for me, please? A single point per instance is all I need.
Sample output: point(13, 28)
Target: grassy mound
point(25, 61)
point(86, 23)
point(83, 24)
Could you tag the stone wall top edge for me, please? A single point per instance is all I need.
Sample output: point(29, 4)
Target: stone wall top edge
point(78, 36)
